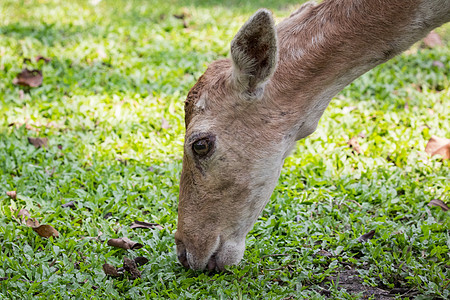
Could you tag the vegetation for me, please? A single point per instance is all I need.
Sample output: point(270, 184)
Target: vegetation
point(111, 107)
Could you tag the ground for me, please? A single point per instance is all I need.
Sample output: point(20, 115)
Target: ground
point(109, 120)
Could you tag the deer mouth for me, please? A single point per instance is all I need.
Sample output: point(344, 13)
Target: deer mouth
point(212, 263)
point(197, 261)
point(225, 253)
point(210, 266)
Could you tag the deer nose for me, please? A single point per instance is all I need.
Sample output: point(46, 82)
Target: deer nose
point(183, 259)
point(212, 263)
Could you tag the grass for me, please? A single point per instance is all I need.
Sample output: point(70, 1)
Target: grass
point(117, 69)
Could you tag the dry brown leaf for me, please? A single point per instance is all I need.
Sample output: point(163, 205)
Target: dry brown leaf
point(324, 253)
point(180, 16)
point(438, 146)
point(140, 260)
point(43, 230)
point(124, 243)
point(46, 231)
point(12, 194)
point(29, 78)
point(110, 270)
point(31, 222)
point(432, 40)
point(38, 142)
point(122, 161)
point(367, 236)
point(70, 204)
point(145, 225)
point(353, 143)
point(23, 214)
point(439, 203)
point(131, 267)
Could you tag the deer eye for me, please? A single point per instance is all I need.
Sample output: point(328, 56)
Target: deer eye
point(202, 147)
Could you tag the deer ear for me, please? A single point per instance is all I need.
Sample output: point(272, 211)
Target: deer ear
point(254, 54)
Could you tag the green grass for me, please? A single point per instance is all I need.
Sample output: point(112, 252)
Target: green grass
point(118, 68)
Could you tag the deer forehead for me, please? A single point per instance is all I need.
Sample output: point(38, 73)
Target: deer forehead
point(209, 90)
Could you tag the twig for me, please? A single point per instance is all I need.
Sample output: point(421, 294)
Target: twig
point(282, 267)
point(407, 293)
point(357, 204)
point(276, 269)
point(273, 255)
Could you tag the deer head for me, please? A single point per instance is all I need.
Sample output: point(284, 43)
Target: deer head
point(244, 114)
point(232, 153)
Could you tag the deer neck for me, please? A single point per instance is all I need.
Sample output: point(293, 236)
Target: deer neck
point(323, 48)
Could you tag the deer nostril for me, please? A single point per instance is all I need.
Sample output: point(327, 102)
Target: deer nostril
point(183, 259)
point(212, 263)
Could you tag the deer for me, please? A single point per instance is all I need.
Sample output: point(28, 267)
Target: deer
point(245, 113)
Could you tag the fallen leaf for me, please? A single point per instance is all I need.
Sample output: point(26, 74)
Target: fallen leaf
point(180, 16)
point(46, 231)
point(110, 270)
point(122, 161)
point(367, 236)
point(30, 78)
point(164, 123)
point(124, 243)
point(439, 203)
point(432, 40)
point(23, 213)
point(353, 143)
point(52, 263)
point(12, 194)
point(438, 146)
point(145, 225)
point(140, 260)
point(45, 59)
point(70, 204)
point(131, 267)
point(324, 253)
point(38, 142)
point(107, 216)
point(31, 222)
point(43, 230)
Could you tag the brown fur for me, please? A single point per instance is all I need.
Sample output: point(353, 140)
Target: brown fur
point(315, 53)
